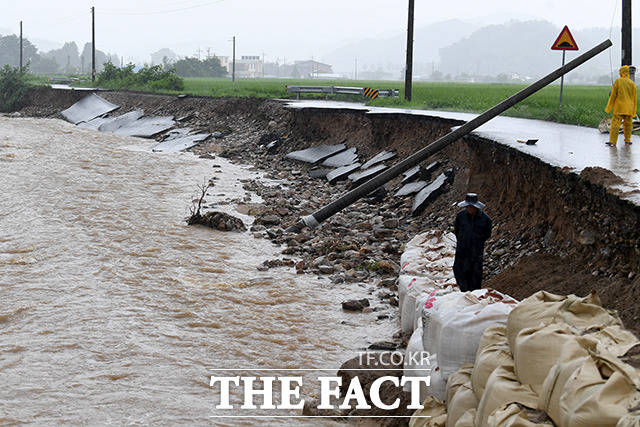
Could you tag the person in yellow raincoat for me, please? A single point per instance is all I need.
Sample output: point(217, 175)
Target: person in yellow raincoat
point(624, 103)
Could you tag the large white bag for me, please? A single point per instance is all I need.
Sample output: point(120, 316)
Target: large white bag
point(417, 362)
point(455, 328)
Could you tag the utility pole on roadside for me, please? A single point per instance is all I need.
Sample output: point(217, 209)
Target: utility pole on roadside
point(355, 74)
point(626, 36)
point(93, 44)
point(20, 46)
point(233, 66)
point(408, 76)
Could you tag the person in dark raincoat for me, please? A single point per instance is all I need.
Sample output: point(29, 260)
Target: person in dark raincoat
point(472, 228)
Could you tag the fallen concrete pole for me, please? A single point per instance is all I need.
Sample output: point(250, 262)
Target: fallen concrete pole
point(336, 206)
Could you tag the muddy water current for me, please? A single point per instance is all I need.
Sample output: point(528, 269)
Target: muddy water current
point(112, 310)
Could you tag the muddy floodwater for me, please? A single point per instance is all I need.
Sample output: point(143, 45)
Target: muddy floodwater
point(112, 310)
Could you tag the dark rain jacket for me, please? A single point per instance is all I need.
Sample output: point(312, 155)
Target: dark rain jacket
point(471, 232)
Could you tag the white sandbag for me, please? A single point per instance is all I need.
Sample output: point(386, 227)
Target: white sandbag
point(430, 254)
point(589, 387)
point(426, 299)
point(445, 303)
point(438, 385)
point(416, 362)
point(544, 307)
point(455, 329)
point(408, 289)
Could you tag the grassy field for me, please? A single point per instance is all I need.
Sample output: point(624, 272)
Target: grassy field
point(582, 105)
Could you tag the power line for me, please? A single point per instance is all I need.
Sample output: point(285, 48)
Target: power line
point(115, 12)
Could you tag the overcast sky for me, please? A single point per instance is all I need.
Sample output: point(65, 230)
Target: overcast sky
point(298, 29)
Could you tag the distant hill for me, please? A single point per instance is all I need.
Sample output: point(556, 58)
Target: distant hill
point(455, 47)
point(389, 53)
point(524, 48)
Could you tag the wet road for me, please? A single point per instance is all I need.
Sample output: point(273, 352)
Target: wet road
point(114, 311)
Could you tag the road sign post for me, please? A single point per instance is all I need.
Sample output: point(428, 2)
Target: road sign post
point(564, 42)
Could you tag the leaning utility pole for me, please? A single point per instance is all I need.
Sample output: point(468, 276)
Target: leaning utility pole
point(313, 220)
point(233, 66)
point(626, 32)
point(408, 75)
point(93, 44)
point(21, 46)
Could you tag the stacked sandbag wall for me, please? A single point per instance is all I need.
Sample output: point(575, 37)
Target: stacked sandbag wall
point(559, 360)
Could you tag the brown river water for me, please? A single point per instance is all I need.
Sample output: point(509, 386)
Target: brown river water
point(114, 311)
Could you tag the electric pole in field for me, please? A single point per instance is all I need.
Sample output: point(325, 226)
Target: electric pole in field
point(233, 64)
point(408, 76)
point(93, 44)
point(20, 46)
point(626, 32)
point(355, 73)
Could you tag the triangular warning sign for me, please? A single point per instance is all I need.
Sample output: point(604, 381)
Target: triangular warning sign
point(565, 41)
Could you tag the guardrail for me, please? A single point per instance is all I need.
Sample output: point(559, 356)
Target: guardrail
point(343, 90)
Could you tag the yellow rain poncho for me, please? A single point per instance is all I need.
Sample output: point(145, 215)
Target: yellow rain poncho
point(624, 104)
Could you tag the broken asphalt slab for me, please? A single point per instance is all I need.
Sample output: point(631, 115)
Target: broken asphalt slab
point(345, 158)
point(179, 144)
point(429, 193)
point(316, 154)
point(379, 158)
point(112, 124)
point(411, 188)
point(342, 173)
point(362, 176)
point(146, 127)
point(88, 108)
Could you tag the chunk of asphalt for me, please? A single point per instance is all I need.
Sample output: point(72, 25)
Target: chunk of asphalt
point(411, 188)
point(146, 127)
point(114, 123)
point(413, 174)
point(363, 176)
point(429, 193)
point(88, 108)
point(316, 154)
point(345, 158)
point(176, 133)
point(93, 123)
point(420, 172)
point(342, 173)
point(379, 158)
point(319, 172)
point(180, 144)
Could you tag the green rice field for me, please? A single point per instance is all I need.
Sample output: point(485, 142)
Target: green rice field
point(582, 105)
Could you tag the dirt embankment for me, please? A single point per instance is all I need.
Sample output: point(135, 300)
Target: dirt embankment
point(553, 230)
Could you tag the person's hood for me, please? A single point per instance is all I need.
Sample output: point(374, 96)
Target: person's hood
point(624, 71)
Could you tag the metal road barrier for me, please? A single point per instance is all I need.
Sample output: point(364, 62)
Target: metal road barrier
point(342, 90)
